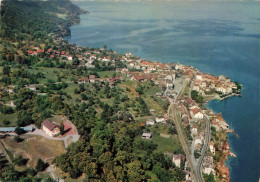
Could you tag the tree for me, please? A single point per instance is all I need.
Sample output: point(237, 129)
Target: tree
point(209, 177)
point(6, 70)
point(18, 139)
point(6, 122)
point(172, 130)
point(140, 89)
point(83, 96)
point(20, 161)
point(62, 132)
point(74, 173)
point(197, 97)
point(41, 166)
point(24, 118)
point(196, 154)
point(19, 131)
point(7, 110)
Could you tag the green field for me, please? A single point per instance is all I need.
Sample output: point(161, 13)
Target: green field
point(167, 144)
point(10, 117)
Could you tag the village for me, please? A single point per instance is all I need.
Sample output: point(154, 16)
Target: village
point(176, 82)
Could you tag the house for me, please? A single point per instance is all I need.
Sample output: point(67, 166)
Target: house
point(50, 128)
point(211, 147)
point(198, 140)
point(209, 169)
point(221, 122)
point(147, 135)
point(159, 94)
point(160, 120)
point(215, 125)
point(185, 121)
point(128, 54)
point(92, 78)
point(196, 87)
point(196, 114)
point(152, 111)
point(70, 58)
point(138, 78)
point(203, 84)
point(83, 80)
point(199, 76)
point(177, 159)
point(93, 56)
point(150, 122)
point(194, 130)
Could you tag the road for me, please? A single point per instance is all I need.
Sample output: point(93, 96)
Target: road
point(75, 137)
point(197, 164)
point(172, 113)
point(204, 149)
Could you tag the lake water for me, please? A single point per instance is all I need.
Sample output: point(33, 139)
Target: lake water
point(216, 37)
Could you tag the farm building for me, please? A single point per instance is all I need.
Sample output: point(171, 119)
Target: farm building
point(50, 128)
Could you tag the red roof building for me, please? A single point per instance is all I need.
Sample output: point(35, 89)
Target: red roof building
point(50, 128)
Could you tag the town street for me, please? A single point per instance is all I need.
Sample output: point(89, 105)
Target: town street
point(172, 115)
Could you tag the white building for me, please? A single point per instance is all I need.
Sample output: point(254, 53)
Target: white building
point(198, 140)
point(194, 131)
point(211, 147)
point(160, 120)
point(150, 122)
point(196, 114)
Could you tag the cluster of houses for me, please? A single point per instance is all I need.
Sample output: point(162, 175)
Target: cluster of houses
point(205, 83)
point(192, 115)
point(35, 51)
point(208, 165)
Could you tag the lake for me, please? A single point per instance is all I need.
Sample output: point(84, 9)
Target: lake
point(216, 37)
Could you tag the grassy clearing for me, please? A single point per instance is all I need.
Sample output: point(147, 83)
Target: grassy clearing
point(131, 85)
point(170, 145)
point(50, 73)
point(10, 117)
point(159, 128)
point(35, 147)
point(108, 74)
point(70, 91)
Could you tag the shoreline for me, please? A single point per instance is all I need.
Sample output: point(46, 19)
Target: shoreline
point(227, 152)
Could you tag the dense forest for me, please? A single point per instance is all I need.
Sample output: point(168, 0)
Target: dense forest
point(30, 20)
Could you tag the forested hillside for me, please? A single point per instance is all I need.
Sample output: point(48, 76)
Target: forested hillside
point(29, 20)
